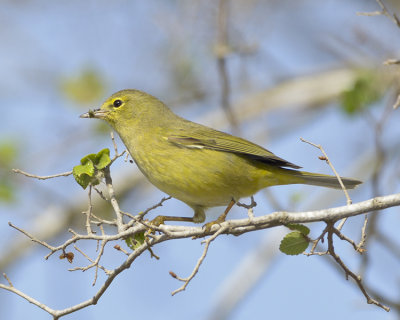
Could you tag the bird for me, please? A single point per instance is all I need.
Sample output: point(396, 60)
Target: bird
point(196, 164)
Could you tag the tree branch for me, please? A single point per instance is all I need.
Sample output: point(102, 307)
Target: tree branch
point(164, 233)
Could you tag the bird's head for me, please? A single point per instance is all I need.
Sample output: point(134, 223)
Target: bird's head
point(130, 107)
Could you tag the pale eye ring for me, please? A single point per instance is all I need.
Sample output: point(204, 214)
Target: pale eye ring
point(117, 103)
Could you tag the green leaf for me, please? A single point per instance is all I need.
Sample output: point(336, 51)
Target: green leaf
point(8, 153)
point(87, 87)
point(89, 158)
point(89, 171)
point(136, 241)
point(298, 227)
point(81, 169)
point(294, 243)
point(84, 173)
point(366, 89)
point(6, 192)
point(102, 159)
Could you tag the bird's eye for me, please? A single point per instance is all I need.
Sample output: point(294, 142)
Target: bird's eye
point(117, 103)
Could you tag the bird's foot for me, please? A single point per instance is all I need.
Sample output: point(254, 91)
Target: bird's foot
point(207, 227)
point(157, 221)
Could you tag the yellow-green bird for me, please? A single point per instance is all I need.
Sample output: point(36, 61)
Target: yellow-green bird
point(196, 164)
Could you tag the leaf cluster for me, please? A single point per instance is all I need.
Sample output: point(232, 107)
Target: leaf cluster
point(90, 171)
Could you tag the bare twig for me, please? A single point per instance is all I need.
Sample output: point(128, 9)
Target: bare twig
point(100, 193)
point(347, 239)
point(249, 207)
point(116, 154)
point(159, 204)
point(326, 158)
point(199, 262)
point(140, 216)
point(114, 143)
point(98, 221)
point(65, 174)
point(119, 248)
point(107, 272)
point(8, 279)
point(316, 242)
point(363, 234)
point(34, 239)
point(348, 272)
point(384, 11)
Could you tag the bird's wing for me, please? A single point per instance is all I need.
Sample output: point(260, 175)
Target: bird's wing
point(220, 141)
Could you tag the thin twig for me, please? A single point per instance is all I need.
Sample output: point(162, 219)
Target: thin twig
point(350, 273)
point(100, 193)
point(199, 262)
point(106, 271)
point(315, 243)
point(116, 154)
point(363, 233)
point(143, 213)
point(326, 158)
point(384, 11)
point(98, 221)
point(119, 248)
point(65, 174)
point(34, 239)
point(114, 143)
point(249, 207)
point(347, 239)
point(393, 17)
point(8, 279)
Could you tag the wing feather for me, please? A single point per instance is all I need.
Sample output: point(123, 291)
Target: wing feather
point(220, 141)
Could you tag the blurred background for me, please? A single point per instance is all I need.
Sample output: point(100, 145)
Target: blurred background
point(269, 71)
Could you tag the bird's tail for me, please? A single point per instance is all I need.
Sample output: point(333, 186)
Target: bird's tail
point(316, 179)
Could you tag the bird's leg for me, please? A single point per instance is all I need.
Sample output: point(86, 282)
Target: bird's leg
point(161, 219)
point(221, 218)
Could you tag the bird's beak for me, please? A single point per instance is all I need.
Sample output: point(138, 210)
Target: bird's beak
point(96, 113)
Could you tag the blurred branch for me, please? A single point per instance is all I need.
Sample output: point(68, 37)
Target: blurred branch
point(246, 275)
point(395, 19)
point(222, 51)
point(304, 92)
point(384, 11)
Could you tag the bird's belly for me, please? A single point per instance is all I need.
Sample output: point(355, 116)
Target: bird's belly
point(201, 177)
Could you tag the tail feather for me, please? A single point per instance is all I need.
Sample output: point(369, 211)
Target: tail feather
point(322, 180)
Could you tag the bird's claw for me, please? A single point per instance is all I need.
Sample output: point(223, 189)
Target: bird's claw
point(207, 227)
point(157, 221)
